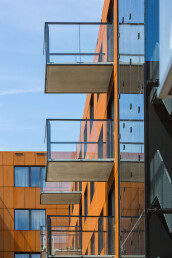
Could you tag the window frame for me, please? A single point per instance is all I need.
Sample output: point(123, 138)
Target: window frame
point(30, 219)
point(30, 254)
point(30, 167)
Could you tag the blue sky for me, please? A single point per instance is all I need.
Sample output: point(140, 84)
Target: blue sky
point(23, 105)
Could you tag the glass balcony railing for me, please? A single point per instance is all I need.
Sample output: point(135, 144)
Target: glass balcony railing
point(73, 42)
point(75, 50)
point(133, 236)
point(79, 139)
point(60, 192)
point(73, 235)
point(76, 140)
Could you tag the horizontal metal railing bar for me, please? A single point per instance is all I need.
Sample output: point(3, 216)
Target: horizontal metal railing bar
point(75, 216)
point(129, 54)
point(137, 143)
point(76, 54)
point(78, 120)
point(79, 142)
point(132, 23)
point(131, 120)
point(160, 211)
point(79, 231)
point(78, 23)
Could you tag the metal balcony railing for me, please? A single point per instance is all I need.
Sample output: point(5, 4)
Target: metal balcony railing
point(79, 149)
point(60, 192)
point(79, 139)
point(78, 42)
point(74, 235)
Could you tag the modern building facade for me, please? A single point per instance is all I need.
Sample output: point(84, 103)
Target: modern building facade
point(106, 189)
point(128, 81)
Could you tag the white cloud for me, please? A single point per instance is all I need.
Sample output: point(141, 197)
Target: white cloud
point(20, 91)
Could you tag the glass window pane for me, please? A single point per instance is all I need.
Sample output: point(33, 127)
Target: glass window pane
point(37, 219)
point(21, 220)
point(21, 175)
point(35, 176)
point(35, 256)
point(43, 173)
point(22, 256)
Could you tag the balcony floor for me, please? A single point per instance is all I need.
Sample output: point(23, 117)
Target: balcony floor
point(79, 170)
point(78, 78)
point(61, 198)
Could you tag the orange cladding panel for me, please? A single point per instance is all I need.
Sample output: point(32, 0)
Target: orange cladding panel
point(8, 175)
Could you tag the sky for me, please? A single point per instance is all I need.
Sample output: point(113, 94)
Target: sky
point(23, 105)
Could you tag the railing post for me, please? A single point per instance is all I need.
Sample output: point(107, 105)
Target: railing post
point(47, 43)
point(49, 244)
point(48, 140)
point(80, 42)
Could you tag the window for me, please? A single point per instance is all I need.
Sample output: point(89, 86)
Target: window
point(91, 111)
point(76, 186)
point(80, 186)
point(85, 203)
point(93, 244)
point(27, 255)
point(29, 219)
point(100, 145)
point(28, 176)
point(100, 233)
point(91, 190)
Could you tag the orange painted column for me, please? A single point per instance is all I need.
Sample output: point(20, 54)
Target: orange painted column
point(116, 133)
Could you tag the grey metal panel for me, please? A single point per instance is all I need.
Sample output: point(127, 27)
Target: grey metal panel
point(168, 105)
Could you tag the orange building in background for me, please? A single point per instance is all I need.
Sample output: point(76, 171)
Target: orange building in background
point(15, 199)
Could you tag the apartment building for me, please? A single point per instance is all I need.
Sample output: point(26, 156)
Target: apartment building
point(21, 213)
point(107, 188)
point(122, 156)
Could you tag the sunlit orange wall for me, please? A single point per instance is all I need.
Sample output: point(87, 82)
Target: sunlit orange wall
point(11, 198)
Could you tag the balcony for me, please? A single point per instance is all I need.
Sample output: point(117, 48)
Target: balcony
point(78, 236)
point(59, 193)
point(79, 150)
point(79, 57)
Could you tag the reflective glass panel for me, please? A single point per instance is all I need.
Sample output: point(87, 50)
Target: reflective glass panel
point(21, 220)
point(21, 176)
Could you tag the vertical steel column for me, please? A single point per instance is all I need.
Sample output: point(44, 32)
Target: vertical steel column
point(116, 132)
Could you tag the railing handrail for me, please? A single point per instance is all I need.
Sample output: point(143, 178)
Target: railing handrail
point(75, 216)
point(78, 120)
point(78, 23)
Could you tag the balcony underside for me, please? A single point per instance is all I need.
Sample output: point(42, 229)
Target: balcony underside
point(78, 78)
point(61, 198)
point(79, 170)
point(131, 171)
